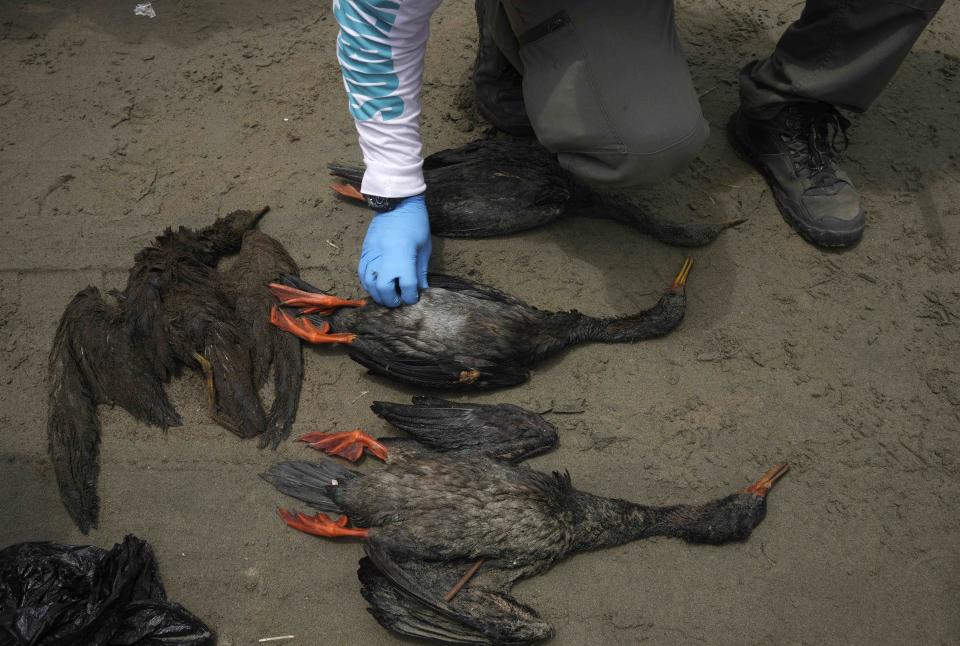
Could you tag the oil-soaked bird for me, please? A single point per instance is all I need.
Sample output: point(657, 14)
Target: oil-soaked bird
point(461, 335)
point(262, 260)
point(176, 310)
point(453, 521)
point(494, 187)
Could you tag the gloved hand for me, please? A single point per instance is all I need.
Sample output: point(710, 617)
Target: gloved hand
point(395, 253)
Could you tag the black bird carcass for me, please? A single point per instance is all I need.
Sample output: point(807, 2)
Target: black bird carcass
point(454, 520)
point(500, 186)
point(177, 310)
point(461, 335)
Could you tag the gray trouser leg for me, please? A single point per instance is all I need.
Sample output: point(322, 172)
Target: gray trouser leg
point(498, 25)
point(841, 52)
point(607, 87)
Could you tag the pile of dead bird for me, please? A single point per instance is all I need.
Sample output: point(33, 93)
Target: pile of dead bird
point(177, 311)
point(443, 576)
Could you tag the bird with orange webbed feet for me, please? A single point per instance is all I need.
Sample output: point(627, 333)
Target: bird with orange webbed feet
point(461, 335)
point(500, 186)
point(454, 520)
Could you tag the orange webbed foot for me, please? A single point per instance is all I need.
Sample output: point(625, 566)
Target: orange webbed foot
point(347, 445)
point(348, 191)
point(321, 525)
point(763, 486)
point(306, 330)
point(322, 303)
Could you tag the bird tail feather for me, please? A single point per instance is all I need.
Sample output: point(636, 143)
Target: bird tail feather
point(352, 175)
point(311, 482)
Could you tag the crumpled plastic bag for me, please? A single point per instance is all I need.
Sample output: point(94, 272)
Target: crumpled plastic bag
point(79, 595)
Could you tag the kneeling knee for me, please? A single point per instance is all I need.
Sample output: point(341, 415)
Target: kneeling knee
point(640, 164)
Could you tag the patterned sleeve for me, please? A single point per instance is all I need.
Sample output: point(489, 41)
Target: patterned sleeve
point(380, 48)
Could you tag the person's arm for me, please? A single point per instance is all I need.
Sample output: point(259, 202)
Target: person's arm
point(381, 47)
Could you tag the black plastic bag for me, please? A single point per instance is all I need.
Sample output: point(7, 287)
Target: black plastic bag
point(79, 595)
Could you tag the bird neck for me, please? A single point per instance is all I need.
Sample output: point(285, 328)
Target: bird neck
point(606, 522)
point(650, 323)
point(604, 205)
point(560, 330)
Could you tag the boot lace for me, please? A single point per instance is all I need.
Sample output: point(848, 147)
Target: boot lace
point(815, 136)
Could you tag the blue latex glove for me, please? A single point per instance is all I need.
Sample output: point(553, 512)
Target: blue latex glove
point(395, 253)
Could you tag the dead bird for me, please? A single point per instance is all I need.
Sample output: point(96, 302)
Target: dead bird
point(177, 310)
point(454, 521)
point(493, 187)
point(461, 334)
point(262, 260)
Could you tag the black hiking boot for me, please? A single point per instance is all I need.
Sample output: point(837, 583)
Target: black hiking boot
point(796, 152)
point(497, 86)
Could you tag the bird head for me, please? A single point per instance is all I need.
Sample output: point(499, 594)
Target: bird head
point(735, 516)
point(226, 234)
point(239, 222)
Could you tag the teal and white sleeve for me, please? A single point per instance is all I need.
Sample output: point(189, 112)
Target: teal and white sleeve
point(380, 48)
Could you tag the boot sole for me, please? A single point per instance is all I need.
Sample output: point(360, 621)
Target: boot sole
point(788, 210)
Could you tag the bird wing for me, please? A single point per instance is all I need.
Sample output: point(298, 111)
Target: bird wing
point(93, 361)
point(494, 187)
point(287, 383)
point(407, 597)
point(475, 290)
point(435, 372)
point(465, 153)
point(501, 431)
point(262, 260)
point(235, 398)
point(493, 150)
